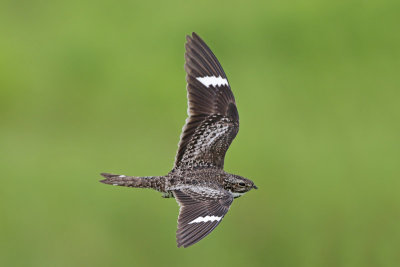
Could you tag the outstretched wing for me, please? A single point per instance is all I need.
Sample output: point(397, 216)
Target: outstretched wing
point(201, 210)
point(213, 120)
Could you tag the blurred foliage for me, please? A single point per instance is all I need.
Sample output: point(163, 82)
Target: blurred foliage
point(98, 86)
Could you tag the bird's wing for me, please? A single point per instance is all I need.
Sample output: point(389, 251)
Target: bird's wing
point(201, 210)
point(213, 119)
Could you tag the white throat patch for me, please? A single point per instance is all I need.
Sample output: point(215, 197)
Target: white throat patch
point(235, 194)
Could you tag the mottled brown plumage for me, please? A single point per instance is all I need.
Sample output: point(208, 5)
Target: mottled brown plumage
point(203, 190)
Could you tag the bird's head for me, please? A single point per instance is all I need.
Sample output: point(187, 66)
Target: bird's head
point(238, 184)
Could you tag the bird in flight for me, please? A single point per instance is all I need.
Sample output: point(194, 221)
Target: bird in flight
point(203, 190)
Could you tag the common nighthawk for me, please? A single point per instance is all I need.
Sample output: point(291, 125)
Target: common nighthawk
point(203, 190)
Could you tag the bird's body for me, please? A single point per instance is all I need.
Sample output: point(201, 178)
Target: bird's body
point(182, 178)
point(201, 187)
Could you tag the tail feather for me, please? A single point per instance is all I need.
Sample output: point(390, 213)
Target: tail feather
point(133, 181)
point(121, 180)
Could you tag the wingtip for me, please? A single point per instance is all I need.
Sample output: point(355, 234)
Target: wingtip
point(193, 36)
point(182, 245)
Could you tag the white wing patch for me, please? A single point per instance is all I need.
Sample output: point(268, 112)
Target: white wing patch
point(212, 80)
point(206, 219)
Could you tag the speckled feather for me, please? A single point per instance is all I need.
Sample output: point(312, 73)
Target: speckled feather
point(203, 190)
point(205, 103)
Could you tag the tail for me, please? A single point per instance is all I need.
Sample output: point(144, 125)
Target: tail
point(155, 182)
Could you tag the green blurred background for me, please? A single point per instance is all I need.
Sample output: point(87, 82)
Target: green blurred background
point(97, 86)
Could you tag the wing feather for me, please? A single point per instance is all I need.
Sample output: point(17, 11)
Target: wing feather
point(205, 101)
point(201, 210)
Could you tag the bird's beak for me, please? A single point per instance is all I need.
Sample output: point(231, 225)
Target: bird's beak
point(255, 187)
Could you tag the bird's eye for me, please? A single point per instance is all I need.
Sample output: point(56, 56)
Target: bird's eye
point(241, 184)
